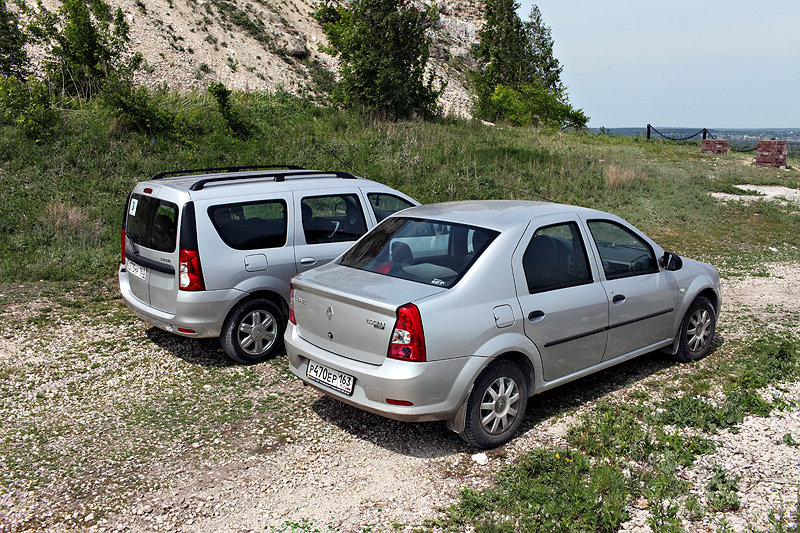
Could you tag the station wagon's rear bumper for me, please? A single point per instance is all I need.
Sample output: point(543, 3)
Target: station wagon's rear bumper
point(201, 312)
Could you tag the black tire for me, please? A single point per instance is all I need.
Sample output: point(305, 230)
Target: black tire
point(697, 331)
point(496, 405)
point(253, 331)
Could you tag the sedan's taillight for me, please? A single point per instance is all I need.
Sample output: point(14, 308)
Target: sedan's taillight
point(190, 273)
point(408, 340)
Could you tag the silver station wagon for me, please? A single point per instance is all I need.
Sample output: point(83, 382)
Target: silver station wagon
point(210, 252)
point(460, 311)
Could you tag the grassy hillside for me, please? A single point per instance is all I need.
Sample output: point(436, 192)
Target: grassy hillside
point(62, 197)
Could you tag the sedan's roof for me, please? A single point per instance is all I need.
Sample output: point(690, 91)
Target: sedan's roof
point(493, 214)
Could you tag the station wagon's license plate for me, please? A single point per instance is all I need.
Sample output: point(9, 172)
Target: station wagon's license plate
point(137, 270)
point(331, 378)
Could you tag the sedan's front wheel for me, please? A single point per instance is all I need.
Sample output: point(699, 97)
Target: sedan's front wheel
point(697, 331)
point(496, 405)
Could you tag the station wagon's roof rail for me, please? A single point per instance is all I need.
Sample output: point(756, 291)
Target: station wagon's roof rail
point(220, 169)
point(294, 173)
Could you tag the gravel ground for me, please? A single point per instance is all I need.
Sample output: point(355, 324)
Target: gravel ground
point(111, 426)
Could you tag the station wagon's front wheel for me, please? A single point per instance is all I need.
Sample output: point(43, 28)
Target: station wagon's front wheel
point(496, 405)
point(697, 331)
point(253, 332)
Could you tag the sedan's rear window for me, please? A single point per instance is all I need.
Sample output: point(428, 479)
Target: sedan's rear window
point(427, 251)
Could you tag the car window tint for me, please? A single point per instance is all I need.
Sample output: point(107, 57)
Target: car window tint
point(335, 218)
point(622, 252)
point(251, 225)
point(556, 258)
point(425, 251)
point(384, 205)
point(152, 223)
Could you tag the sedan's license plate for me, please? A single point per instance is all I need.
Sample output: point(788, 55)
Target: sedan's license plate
point(137, 270)
point(331, 378)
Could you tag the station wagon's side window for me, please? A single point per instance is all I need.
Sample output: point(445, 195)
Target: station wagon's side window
point(335, 218)
point(556, 258)
point(622, 252)
point(384, 205)
point(251, 225)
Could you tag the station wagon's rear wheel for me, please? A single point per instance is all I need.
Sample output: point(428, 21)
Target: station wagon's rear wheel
point(496, 405)
point(697, 331)
point(253, 332)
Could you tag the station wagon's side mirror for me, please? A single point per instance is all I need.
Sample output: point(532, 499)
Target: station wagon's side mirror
point(671, 261)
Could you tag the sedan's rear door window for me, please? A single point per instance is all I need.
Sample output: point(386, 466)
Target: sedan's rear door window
point(556, 258)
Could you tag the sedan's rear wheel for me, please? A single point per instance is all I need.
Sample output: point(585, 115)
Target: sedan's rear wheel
point(253, 332)
point(496, 405)
point(697, 331)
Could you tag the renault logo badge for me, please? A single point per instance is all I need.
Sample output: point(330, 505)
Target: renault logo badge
point(329, 312)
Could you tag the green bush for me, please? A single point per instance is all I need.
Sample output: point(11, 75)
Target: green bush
point(134, 107)
point(27, 104)
point(236, 122)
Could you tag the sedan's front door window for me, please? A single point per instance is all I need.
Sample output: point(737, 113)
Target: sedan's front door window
point(623, 253)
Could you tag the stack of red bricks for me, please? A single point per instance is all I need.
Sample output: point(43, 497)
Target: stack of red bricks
point(772, 153)
point(714, 146)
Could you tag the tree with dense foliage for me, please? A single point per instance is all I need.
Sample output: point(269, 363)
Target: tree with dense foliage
point(384, 51)
point(86, 43)
point(13, 58)
point(520, 81)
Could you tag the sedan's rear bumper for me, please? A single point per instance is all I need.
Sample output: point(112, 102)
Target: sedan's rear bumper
point(436, 389)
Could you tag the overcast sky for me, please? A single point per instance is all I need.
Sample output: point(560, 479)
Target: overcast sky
point(732, 64)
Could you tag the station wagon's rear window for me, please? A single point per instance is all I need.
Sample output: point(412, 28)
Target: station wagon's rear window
point(152, 223)
point(251, 225)
point(426, 251)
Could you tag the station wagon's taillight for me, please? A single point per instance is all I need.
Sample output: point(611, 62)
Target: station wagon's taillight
point(408, 340)
point(190, 273)
point(122, 245)
point(291, 305)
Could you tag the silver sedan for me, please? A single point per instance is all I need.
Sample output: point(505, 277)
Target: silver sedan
point(460, 311)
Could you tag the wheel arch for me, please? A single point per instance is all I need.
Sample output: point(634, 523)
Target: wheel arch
point(270, 295)
point(524, 364)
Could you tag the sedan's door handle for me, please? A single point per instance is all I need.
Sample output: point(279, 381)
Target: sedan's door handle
point(535, 316)
point(618, 299)
point(308, 260)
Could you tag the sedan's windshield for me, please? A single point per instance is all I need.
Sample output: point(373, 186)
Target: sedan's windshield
point(427, 251)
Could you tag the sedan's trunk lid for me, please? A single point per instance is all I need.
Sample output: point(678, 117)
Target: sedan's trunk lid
point(351, 312)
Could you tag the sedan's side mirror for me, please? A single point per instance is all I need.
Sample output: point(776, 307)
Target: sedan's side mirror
point(671, 261)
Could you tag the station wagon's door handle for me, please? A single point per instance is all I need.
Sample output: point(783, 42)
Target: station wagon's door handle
point(535, 316)
point(618, 299)
point(308, 260)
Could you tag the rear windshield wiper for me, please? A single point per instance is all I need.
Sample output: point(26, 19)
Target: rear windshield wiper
point(132, 238)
